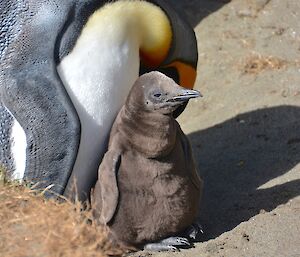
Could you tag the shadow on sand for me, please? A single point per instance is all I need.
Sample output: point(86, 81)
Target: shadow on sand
point(238, 156)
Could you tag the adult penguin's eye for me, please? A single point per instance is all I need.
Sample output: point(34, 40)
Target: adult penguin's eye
point(157, 95)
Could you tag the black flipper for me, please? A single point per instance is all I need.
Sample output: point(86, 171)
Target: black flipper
point(32, 91)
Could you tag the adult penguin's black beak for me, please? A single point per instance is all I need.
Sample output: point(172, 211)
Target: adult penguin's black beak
point(180, 63)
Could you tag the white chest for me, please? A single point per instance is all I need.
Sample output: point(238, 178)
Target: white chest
point(98, 75)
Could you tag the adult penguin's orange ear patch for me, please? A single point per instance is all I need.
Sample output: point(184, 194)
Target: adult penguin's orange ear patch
point(187, 73)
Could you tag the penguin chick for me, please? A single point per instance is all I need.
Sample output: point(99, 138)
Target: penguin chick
point(148, 187)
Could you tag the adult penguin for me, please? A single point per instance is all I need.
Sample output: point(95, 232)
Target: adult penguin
point(66, 69)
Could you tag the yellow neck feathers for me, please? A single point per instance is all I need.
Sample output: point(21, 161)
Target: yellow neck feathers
point(143, 20)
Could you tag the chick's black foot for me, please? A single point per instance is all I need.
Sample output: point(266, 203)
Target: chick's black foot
point(194, 230)
point(168, 244)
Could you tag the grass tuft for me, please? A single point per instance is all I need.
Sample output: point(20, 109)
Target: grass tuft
point(34, 226)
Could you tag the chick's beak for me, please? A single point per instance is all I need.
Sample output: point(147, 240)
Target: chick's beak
point(184, 95)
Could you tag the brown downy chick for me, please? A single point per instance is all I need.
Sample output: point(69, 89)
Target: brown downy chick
point(148, 187)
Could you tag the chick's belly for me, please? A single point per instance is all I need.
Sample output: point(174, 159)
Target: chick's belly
point(151, 214)
point(169, 215)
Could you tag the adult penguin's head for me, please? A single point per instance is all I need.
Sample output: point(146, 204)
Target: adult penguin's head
point(179, 55)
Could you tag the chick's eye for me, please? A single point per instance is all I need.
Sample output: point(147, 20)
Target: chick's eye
point(157, 95)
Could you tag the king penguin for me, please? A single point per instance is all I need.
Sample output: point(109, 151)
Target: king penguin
point(66, 69)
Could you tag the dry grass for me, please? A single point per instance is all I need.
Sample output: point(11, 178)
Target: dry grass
point(255, 64)
point(33, 226)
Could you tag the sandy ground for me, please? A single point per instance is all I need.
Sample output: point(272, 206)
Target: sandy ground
point(245, 132)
